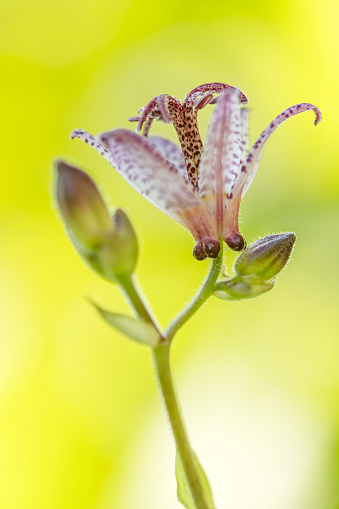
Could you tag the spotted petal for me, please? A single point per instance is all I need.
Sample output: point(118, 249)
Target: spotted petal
point(93, 142)
point(231, 173)
point(221, 155)
point(154, 177)
point(250, 166)
point(171, 152)
point(245, 134)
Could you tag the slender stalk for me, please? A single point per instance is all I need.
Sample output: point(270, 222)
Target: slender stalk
point(131, 293)
point(205, 291)
point(162, 368)
point(163, 371)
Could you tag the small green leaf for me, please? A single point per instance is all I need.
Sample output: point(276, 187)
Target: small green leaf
point(139, 330)
point(183, 490)
point(246, 286)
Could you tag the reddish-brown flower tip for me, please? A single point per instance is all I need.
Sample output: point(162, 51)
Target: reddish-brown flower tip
point(207, 247)
point(235, 241)
point(212, 247)
point(199, 252)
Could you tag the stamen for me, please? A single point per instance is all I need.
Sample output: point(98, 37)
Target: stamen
point(202, 101)
point(165, 116)
point(134, 119)
point(145, 113)
point(147, 125)
point(214, 88)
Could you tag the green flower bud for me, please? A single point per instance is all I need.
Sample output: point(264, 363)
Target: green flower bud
point(266, 257)
point(81, 205)
point(108, 245)
point(242, 287)
point(118, 252)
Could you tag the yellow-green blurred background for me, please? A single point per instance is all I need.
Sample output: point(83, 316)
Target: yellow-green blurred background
point(81, 425)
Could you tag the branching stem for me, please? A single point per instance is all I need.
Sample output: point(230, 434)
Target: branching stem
point(205, 291)
point(161, 363)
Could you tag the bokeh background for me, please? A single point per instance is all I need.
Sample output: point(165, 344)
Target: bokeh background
point(81, 424)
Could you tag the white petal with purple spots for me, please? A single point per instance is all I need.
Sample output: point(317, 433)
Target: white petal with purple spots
point(221, 155)
point(171, 152)
point(93, 142)
point(250, 166)
point(154, 177)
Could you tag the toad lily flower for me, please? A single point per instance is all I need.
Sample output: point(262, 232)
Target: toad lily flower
point(199, 187)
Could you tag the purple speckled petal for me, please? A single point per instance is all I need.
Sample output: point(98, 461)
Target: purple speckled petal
point(92, 141)
point(171, 152)
point(221, 156)
point(250, 166)
point(154, 177)
point(245, 133)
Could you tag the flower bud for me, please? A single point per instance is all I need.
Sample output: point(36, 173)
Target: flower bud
point(118, 252)
point(266, 257)
point(81, 205)
point(242, 287)
point(108, 245)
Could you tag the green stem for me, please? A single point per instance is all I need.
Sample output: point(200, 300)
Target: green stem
point(163, 371)
point(205, 291)
point(162, 368)
point(131, 293)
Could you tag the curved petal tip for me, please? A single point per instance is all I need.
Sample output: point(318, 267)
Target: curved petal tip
point(75, 133)
point(318, 116)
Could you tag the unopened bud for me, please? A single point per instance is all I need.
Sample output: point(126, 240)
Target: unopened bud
point(242, 287)
point(266, 257)
point(81, 205)
point(118, 252)
point(108, 244)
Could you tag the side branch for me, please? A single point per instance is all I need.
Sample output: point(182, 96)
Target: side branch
point(205, 291)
